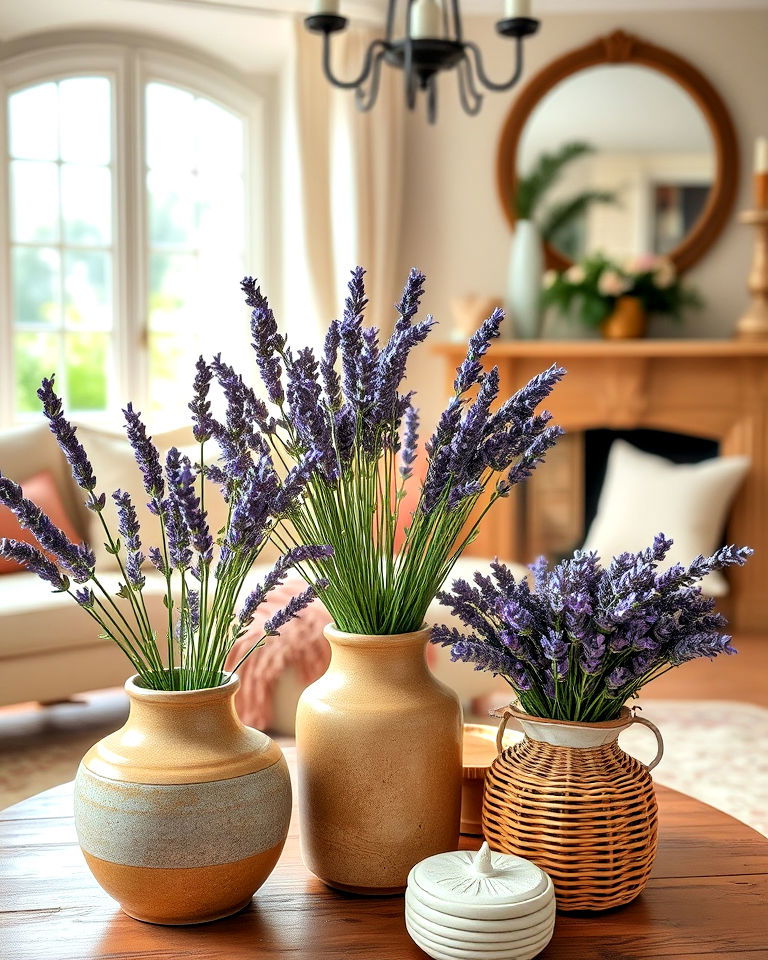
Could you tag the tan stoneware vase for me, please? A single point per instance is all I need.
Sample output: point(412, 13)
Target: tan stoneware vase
point(568, 798)
point(183, 812)
point(379, 756)
point(627, 321)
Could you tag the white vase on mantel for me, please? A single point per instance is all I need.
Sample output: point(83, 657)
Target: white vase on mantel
point(526, 267)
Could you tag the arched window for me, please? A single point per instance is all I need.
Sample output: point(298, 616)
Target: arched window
point(133, 184)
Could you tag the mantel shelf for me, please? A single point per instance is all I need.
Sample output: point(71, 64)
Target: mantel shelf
point(710, 349)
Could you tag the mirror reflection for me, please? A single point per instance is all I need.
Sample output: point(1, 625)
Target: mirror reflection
point(645, 175)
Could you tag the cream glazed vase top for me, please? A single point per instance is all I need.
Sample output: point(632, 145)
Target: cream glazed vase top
point(379, 761)
point(183, 812)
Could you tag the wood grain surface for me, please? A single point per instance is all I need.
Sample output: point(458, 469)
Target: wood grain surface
point(708, 897)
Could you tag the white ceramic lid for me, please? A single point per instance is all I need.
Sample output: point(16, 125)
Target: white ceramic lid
point(484, 878)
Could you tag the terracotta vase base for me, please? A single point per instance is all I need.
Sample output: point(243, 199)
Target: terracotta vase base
point(182, 896)
point(365, 891)
point(189, 923)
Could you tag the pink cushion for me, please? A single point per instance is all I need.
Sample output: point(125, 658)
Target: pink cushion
point(300, 645)
point(41, 490)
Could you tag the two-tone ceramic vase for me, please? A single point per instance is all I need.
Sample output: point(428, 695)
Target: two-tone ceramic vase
point(183, 812)
point(378, 743)
point(571, 800)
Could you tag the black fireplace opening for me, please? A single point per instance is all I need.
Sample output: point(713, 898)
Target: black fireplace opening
point(677, 447)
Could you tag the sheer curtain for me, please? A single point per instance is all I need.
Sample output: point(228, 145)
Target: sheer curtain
point(350, 168)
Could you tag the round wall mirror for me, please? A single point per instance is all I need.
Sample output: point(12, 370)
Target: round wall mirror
point(654, 166)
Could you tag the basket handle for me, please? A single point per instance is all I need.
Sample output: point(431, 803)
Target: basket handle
point(504, 716)
point(659, 741)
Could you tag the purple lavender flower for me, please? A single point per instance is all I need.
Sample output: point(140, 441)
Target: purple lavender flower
point(267, 343)
point(35, 561)
point(203, 424)
point(147, 457)
point(351, 332)
point(410, 441)
point(128, 528)
point(469, 372)
point(157, 561)
point(277, 574)
point(328, 372)
point(86, 598)
point(66, 437)
point(78, 560)
point(588, 637)
point(294, 606)
point(410, 301)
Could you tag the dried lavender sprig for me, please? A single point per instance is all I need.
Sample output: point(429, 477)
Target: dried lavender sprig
point(66, 437)
point(35, 561)
point(78, 560)
point(294, 606)
point(147, 457)
point(591, 636)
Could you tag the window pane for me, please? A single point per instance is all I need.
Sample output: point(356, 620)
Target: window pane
point(36, 283)
point(171, 210)
point(34, 201)
point(172, 292)
point(36, 356)
point(220, 215)
point(86, 200)
point(86, 130)
point(86, 359)
point(170, 127)
point(88, 289)
point(219, 138)
point(33, 123)
point(171, 368)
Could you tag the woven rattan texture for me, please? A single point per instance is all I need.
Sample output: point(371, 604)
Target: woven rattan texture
point(587, 817)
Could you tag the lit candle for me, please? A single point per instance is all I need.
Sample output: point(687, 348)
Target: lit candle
point(761, 173)
point(426, 19)
point(518, 8)
point(328, 8)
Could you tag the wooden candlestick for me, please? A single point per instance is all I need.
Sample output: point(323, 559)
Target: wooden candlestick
point(754, 323)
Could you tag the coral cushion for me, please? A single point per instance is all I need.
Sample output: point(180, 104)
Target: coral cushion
point(41, 490)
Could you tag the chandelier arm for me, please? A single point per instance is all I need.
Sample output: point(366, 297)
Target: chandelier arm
point(432, 100)
point(409, 75)
point(364, 73)
point(483, 76)
point(391, 7)
point(365, 101)
point(471, 100)
point(458, 30)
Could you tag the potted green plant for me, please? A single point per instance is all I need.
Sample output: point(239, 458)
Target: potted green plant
point(575, 650)
point(378, 738)
point(616, 298)
point(183, 748)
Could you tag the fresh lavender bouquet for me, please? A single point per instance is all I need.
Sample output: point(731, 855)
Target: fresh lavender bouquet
point(589, 637)
point(204, 570)
point(361, 432)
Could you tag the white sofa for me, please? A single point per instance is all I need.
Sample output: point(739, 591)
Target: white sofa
point(50, 649)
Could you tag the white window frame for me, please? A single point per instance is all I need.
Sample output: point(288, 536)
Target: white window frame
point(131, 65)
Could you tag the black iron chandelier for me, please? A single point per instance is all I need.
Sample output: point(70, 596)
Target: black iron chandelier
point(432, 41)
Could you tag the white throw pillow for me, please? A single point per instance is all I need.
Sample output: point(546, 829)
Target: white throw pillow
point(115, 468)
point(644, 494)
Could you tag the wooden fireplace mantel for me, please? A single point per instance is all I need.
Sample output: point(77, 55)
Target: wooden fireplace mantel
point(716, 389)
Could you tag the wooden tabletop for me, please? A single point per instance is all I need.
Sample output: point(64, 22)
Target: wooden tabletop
point(708, 897)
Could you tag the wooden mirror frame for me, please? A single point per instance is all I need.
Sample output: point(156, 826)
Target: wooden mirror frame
point(621, 47)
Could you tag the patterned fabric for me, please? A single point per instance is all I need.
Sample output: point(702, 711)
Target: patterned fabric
point(300, 645)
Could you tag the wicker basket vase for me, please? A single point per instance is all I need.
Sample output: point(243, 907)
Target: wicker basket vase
point(570, 799)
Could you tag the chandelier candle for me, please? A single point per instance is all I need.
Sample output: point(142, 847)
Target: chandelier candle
point(434, 43)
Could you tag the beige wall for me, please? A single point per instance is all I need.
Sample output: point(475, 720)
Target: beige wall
point(453, 225)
